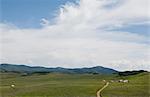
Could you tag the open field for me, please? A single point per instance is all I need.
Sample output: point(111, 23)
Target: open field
point(73, 85)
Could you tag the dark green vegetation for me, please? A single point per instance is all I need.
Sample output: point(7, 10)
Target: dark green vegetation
point(72, 85)
point(126, 73)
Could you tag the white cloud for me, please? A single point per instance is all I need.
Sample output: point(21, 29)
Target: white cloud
point(79, 37)
point(44, 22)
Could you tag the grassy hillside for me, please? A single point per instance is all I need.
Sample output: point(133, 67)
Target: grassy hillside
point(72, 85)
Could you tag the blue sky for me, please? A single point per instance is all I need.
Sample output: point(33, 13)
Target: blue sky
point(82, 33)
point(27, 13)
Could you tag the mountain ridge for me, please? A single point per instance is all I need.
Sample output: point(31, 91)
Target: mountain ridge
point(32, 69)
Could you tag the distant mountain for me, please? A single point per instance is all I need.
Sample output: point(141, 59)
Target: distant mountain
point(29, 69)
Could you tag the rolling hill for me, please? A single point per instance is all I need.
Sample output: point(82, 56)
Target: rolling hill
point(29, 69)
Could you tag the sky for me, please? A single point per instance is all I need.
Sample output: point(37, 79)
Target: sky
point(76, 33)
point(28, 13)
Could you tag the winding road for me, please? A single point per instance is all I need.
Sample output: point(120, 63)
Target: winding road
point(100, 90)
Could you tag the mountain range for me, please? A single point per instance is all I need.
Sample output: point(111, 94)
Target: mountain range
point(29, 69)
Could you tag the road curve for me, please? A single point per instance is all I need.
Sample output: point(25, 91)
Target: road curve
point(100, 90)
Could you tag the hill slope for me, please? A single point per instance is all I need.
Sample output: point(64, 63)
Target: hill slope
point(28, 69)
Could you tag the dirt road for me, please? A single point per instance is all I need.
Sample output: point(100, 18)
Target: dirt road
point(100, 90)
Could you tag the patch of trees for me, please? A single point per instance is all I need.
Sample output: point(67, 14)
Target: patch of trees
point(126, 73)
point(41, 72)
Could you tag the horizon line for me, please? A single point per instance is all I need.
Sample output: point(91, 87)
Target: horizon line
point(29, 65)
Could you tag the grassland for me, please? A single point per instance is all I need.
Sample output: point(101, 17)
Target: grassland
point(69, 85)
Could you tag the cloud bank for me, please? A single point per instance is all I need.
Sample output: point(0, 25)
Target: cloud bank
point(81, 35)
